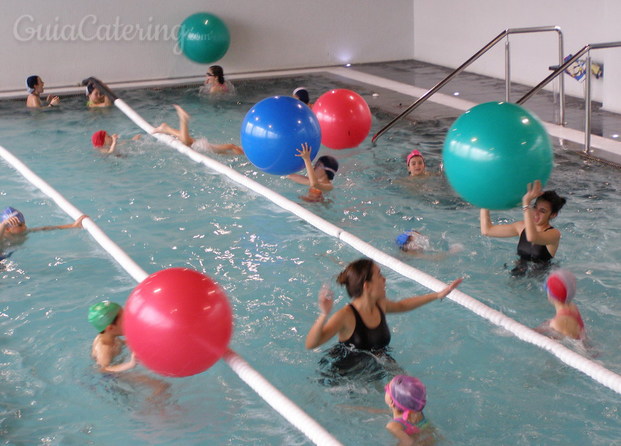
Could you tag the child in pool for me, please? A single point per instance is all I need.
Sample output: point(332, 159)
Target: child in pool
point(13, 227)
point(301, 93)
point(416, 164)
point(107, 143)
point(319, 177)
point(200, 144)
point(35, 87)
point(561, 289)
point(96, 98)
point(215, 82)
point(416, 244)
point(107, 318)
point(406, 396)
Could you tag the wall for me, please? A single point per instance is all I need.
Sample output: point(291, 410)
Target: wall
point(448, 32)
point(265, 35)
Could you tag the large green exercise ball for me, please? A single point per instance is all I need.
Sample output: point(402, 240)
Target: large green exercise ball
point(493, 151)
point(204, 37)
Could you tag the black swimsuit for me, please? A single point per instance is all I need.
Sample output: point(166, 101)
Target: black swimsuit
point(531, 252)
point(365, 338)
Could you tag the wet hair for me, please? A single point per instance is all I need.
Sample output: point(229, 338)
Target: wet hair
point(355, 275)
point(556, 202)
point(31, 81)
point(90, 87)
point(217, 71)
point(330, 165)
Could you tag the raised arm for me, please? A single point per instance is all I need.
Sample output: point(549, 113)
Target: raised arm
point(323, 331)
point(491, 230)
point(75, 224)
point(414, 302)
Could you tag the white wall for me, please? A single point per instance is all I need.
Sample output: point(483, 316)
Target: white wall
point(265, 35)
point(448, 32)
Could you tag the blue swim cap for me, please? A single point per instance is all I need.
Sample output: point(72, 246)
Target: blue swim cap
point(402, 239)
point(12, 212)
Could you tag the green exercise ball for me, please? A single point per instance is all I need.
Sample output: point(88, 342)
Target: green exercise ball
point(493, 151)
point(204, 38)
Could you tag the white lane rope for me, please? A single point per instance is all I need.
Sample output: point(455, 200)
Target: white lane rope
point(285, 407)
point(566, 355)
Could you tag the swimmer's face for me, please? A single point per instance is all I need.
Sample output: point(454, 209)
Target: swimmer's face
point(108, 140)
point(96, 96)
point(18, 228)
point(377, 284)
point(542, 212)
point(39, 85)
point(416, 166)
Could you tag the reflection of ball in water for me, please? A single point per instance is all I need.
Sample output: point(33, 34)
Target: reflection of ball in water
point(178, 322)
point(493, 151)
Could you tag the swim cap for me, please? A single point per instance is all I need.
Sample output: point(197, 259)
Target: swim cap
point(408, 393)
point(412, 241)
point(98, 138)
point(561, 285)
point(412, 154)
point(12, 212)
point(302, 94)
point(103, 314)
point(330, 165)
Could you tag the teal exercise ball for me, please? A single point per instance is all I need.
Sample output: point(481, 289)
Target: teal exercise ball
point(204, 38)
point(493, 151)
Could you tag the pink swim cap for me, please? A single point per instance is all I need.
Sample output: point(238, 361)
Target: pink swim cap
point(412, 154)
point(98, 138)
point(561, 285)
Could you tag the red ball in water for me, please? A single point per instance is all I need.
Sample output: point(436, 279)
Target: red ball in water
point(344, 117)
point(178, 322)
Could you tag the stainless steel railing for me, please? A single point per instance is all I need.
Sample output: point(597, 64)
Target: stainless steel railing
point(587, 88)
point(486, 48)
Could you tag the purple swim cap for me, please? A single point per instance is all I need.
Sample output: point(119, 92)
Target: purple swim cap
point(408, 393)
point(12, 212)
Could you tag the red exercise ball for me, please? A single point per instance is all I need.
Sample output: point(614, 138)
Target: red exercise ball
point(344, 117)
point(178, 322)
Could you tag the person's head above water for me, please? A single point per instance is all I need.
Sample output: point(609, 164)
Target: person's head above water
point(412, 241)
point(217, 72)
point(561, 286)
point(355, 275)
point(103, 314)
point(415, 163)
point(99, 138)
point(407, 393)
point(32, 82)
point(556, 202)
point(329, 164)
point(10, 212)
point(302, 94)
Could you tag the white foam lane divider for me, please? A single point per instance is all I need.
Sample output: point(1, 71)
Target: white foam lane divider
point(292, 413)
point(568, 356)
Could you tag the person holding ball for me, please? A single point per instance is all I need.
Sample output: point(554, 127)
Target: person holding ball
point(539, 240)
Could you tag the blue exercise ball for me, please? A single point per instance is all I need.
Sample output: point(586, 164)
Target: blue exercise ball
point(274, 129)
point(493, 151)
point(204, 38)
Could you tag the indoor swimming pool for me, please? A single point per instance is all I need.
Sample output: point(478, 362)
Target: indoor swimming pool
point(484, 385)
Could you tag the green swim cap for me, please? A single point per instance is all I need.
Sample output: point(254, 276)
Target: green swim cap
point(102, 314)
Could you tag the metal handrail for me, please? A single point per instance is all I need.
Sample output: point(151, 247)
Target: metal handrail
point(587, 90)
point(478, 54)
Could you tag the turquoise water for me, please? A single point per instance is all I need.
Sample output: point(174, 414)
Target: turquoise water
point(484, 385)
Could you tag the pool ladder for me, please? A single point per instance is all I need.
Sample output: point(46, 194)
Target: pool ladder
point(504, 34)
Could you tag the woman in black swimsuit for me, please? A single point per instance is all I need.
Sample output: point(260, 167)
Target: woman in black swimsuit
point(538, 239)
point(362, 323)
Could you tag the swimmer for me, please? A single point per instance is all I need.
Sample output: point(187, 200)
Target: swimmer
point(215, 82)
point(362, 323)
point(561, 289)
point(416, 244)
point(107, 143)
point(13, 227)
point(301, 93)
point(35, 87)
point(96, 98)
point(199, 144)
point(416, 164)
point(407, 396)
point(319, 177)
point(107, 318)
point(539, 240)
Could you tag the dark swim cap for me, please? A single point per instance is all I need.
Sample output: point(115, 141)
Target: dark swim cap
point(302, 94)
point(12, 212)
point(330, 165)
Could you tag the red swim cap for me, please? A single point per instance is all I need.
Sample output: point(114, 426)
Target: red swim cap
point(412, 154)
point(98, 138)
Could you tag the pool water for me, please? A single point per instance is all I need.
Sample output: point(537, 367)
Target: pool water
point(484, 386)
